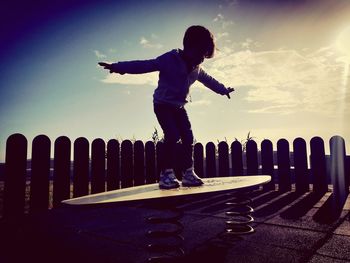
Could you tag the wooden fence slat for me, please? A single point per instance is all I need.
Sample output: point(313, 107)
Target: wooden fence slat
point(237, 159)
point(62, 170)
point(318, 165)
point(150, 159)
point(40, 173)
point(126, 164)
point(98, 171)
point(283, 161)
point(15, 176)
point(139, 163)
point(113, 165)
point(339, 178)
point(210, 153)
point(252, 158)
point(81, 167)
point(129, 165)
point(267, 166)
point(300, 165)
point(224, 165)
point(198, 159)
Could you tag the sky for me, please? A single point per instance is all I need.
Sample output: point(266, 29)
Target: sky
point(287, 60)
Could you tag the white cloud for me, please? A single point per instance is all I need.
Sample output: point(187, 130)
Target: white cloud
point(132, 79)
point(221, 35)
point(225, 23)
point(98, 54)
point(228, 4)
point(247, 43)
point(145, 43)
point(219, 17)
point(284, 80)
point(281, 109)
point(275, 95)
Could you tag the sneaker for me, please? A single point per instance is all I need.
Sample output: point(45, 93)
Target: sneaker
point(168, 180)
point(190, 178)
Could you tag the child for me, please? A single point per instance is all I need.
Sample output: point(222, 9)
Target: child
point(178, 70)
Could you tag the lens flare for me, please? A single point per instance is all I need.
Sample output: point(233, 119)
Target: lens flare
point(343, 46)
point(343, 43)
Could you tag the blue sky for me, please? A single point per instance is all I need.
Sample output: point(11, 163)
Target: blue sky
point(287, 60)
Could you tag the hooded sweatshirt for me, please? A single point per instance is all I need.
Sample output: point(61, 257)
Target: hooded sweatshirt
point(174, 79)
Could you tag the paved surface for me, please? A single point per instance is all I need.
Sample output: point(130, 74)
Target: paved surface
point(289, 228)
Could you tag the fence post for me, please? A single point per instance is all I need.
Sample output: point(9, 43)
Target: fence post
point(81, 167)
point(210, 159)
point(15, 176)
point(237, 160)
point(198, 159)
point(98, 177)
point(224, 165)
point(252, 158)
point(267, 163)
point(62, 170)
point(150, 158)
point(113, 166)
point(339, 179)
point(126, 164)
point(283, 162)
point(318, 165)
point(139, 163)
point(300, 166)
point(39, 184)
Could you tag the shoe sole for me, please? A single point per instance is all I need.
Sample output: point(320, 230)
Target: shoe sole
point(168, 187)
point(191, 185)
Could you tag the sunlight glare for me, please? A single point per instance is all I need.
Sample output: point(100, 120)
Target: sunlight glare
point(343, 46)
point(343, 42)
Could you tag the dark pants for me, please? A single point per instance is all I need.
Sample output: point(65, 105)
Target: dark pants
point(176, 126)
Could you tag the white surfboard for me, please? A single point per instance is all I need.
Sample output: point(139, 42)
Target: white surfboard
point(152, 191)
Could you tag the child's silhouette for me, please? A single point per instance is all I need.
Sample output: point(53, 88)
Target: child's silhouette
point(178, 70)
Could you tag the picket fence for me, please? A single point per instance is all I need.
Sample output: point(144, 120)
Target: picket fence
point(124, 164)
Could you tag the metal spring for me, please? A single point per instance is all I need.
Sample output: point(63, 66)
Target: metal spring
point(167, 237)
point(239, 215)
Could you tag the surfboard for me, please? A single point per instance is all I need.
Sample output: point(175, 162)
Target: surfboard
point(152, 191)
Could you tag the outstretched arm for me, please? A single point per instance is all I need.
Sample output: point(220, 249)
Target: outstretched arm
point(213, 84)
point(132, 67)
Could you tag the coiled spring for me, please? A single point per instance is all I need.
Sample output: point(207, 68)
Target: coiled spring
point(239, 215)
point(165, 236)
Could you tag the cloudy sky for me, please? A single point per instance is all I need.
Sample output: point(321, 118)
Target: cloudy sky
point(287, 60)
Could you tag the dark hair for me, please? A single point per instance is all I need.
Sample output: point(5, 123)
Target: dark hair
point(201, 39)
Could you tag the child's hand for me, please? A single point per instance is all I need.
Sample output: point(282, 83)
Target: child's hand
point(106, 66)
point(229, 90)
point(109, 67)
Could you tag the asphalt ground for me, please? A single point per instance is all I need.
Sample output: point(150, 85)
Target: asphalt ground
point(289, 227)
